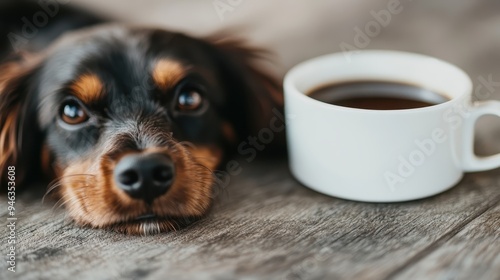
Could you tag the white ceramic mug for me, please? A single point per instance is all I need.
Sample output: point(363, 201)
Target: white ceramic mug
point(383, 155)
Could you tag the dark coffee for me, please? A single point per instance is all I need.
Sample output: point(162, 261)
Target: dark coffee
point(377, 95)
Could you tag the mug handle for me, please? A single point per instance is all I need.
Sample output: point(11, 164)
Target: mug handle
point(471, 162)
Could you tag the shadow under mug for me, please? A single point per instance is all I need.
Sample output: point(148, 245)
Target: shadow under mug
point(383, 155)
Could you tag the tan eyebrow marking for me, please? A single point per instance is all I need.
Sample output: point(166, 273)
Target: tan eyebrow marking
point(167, 73)
point(88, 88)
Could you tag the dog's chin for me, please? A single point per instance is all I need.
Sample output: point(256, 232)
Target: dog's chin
point(151, 224)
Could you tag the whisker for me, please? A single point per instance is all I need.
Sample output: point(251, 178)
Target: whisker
point(178, 226)
point(204, 166)
point(58, 182)
point(50, 190)
point(187, 144)
point(218, 183)
point(171, 226)
point(62, 201)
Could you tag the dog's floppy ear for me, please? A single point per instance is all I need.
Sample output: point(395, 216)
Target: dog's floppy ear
point(19, 133)
point(255, 96)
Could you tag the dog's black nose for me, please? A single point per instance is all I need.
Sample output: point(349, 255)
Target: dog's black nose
point(144, 176)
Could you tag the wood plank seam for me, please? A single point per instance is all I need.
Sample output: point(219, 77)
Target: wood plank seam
point(441, 240)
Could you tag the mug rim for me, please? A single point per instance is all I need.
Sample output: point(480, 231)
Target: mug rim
point(293, 74)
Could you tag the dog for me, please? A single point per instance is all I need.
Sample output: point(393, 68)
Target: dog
point(131, 122)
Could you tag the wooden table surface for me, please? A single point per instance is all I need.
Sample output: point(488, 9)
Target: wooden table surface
point(268, 226)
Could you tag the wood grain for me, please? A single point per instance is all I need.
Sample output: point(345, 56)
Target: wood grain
point(472, 252)
point(268, 226)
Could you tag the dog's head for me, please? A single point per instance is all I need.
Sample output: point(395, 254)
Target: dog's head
point(131, 121)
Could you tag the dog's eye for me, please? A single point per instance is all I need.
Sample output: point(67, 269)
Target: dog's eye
point(189, 100)
point(73, 113)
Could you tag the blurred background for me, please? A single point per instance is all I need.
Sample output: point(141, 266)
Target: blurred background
point(464, 32)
